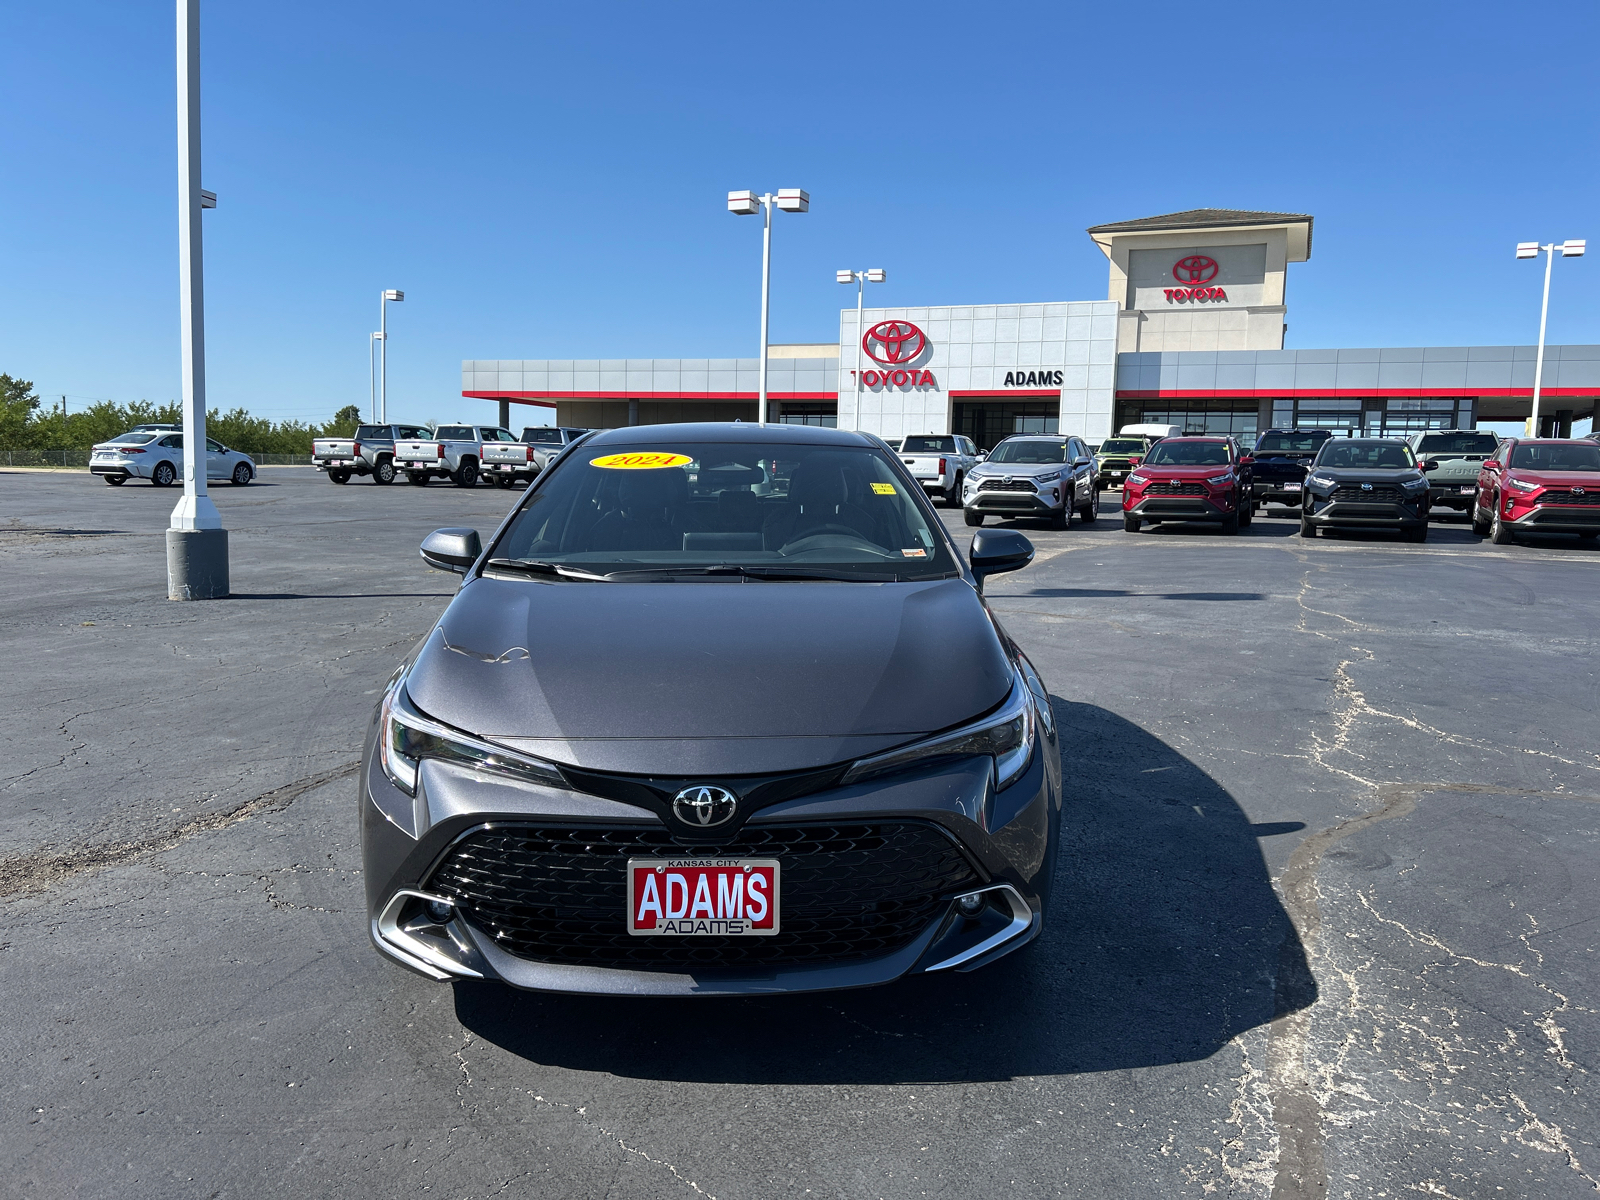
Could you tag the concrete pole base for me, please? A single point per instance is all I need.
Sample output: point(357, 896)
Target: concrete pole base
point(197, 564)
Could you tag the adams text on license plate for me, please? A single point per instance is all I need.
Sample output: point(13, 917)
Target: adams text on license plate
point(685, 896)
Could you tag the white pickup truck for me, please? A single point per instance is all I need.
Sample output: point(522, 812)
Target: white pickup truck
point(517, 462)
point(939, 461)
point(454, 452)
point(369, 452)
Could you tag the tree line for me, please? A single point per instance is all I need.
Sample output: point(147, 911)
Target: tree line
point(26, 424)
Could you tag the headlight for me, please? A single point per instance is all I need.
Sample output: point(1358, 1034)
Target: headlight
point(1522, 486)
point(1007, 734)
point(1320, 480)
point(1051, 478)
point(1415, 485)
point(1228, 478)
point(1139, 479)
point(409, 737)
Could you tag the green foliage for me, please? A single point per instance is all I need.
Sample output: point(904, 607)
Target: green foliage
point(24, 425)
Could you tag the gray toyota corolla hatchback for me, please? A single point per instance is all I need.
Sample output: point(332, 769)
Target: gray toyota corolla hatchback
point(718, 710)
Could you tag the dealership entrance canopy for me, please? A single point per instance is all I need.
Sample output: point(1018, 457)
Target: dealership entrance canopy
point(1191, 333)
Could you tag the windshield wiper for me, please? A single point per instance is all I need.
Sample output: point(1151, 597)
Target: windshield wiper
point(534, 567)
point(763, 573)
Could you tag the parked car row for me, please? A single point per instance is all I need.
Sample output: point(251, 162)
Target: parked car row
point(149, 452)
point(463, 454)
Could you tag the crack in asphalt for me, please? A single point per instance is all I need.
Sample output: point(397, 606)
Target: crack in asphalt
point(43, 871)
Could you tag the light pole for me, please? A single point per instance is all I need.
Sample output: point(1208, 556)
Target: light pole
point(372, 376)
point(383, 351)
point(1567, 249)
point(860, 279)
point(197, 545)
point(747, 204)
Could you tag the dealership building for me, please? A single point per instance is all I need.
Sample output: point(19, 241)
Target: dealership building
point(1191, 333)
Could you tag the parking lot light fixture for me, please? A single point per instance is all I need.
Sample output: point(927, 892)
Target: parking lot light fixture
point(1571, 248)
point(860, 279)
point(383, 351)
point(748, 204)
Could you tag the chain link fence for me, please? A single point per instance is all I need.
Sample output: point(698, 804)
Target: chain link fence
point(80, 458)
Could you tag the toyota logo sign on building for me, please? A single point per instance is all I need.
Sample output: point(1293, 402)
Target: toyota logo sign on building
point(894, 342)
point(1194, 269)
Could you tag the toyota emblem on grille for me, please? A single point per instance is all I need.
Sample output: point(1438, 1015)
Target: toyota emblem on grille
point(1174, 482)
point(1578, 491)
point(1366, 487)
point(703, 805)
point(1006, 479)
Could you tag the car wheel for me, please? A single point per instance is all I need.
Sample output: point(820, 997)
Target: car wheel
point(973, 518)
point(1247, 514)
point(1130, 523)
point(419, 478)
point(1090, 510)
point(1499, 531)
point(1480, 523)
point(466, 474)
point(1307, 529)
point(114, 480)
point(1230, 524)
point(242, 474)
point(164, 475)
point(338, 475)
point(1587, 535)
point(383, 471)
point(1419, 534)
point(953, 496)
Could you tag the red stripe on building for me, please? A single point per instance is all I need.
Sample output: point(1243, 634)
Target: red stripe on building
point(536, 397)
point(1052, 393)
point(1292, 393)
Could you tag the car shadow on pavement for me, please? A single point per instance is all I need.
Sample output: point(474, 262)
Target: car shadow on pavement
point(1165, 941)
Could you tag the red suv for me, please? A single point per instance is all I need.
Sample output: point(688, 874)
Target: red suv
point(1190, 479)
point(1541, 485)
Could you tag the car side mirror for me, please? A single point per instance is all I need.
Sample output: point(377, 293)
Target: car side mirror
point(453, 549)
point(996, 551)
point(1082, 461)
point(1491, 464)
point(983, 456)
point(1428, 465)
point(1247, 460)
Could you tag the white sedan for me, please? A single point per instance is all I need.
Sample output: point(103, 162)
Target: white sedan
point(158, 457)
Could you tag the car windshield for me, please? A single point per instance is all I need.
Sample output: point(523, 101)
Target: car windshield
point(1030, 450)
point(1299, 442)
point(541, 437)
point(1122, 446)
point(929, 445)
point(457, 433)
point(713, 507)
point(375, 432)
point(1458, 443)
point(1556, 456)
point(1379, 456)
point(1178, 453)
point(132, 439)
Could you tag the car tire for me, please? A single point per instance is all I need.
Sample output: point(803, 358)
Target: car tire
point(339, 475)
point(164, 475)
point(952, 494)
point(1307, 529)
point(1589, 535)
point(418, 478)
point(383, 471)
point(1499, 532)
point(115, 480)
point(1091, 510)
point(1247, 513)
point(1230, 524)
point(1419, 534)
point(1480, 522)
point(242, 474)
point(1130, 523)
point(466, 475)
point(973, 519)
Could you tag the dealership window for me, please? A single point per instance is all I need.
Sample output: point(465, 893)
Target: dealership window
point(1240, 417)
point(825, 415)
point(986, 422)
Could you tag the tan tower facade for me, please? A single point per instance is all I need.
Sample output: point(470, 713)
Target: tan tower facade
point(1205, 279)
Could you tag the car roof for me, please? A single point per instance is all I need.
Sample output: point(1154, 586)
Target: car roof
point(734, 431)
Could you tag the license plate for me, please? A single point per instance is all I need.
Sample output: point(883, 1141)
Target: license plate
point(731, 897)
point(1468, 490)
point(1291, 487)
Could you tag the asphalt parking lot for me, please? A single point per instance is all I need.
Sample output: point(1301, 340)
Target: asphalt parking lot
point(1326, 923)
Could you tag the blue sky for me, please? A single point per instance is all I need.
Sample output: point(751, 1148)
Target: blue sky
point(549, 181)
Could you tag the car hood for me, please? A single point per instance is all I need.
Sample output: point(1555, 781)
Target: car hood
point(1368, 474)
point(987, 470)
point(1583, 479)
point(1162, 471)
point(681, 678)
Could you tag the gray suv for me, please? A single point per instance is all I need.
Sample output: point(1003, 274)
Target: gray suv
point(1034, 475)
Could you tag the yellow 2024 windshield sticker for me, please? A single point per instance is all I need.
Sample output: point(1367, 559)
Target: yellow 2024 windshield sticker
point(639, 462)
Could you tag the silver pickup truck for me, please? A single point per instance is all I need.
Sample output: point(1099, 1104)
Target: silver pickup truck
point(939, 462)
point(517, 462)
point(369, 452)
point(1460, 454)
point(453, 452)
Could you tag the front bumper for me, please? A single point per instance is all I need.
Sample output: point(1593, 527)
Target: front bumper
point(1281, 490)
point(1459, 494)
point(1556, 518)
point(1045, 503)
point(1355, 514)
point(459, 827)
point(1178, 508)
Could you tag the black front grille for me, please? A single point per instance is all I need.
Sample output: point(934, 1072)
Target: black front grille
point(847, 892)
point(1381, 493)
point(1175, 489)
point(1000, 485)
point(1590, 497)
